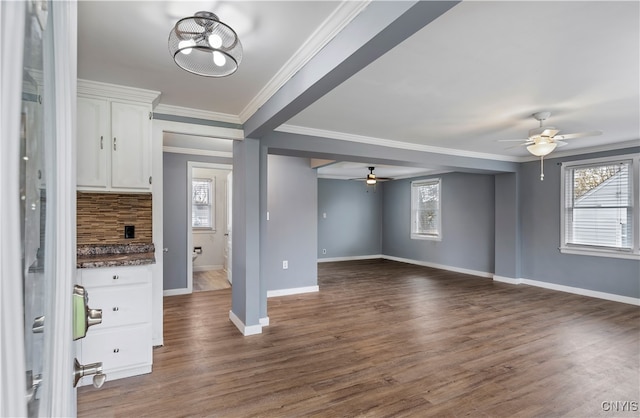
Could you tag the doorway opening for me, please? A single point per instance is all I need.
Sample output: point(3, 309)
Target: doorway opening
point(209, 226)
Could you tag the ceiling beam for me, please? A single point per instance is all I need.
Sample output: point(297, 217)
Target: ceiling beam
point(376, 30)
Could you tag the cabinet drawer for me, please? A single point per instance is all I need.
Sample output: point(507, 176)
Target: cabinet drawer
point(115, 276)
point(121, 305)
point(118, 349)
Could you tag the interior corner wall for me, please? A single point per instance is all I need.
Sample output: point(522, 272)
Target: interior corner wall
point(468, 219)
point(353, 223)
point(292, 230)
point(540, 219)
point(175, 217)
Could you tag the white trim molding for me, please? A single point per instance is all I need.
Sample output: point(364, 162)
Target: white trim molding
point(569, 289)
point(439, 266)
point(332, 25)
point(300, 130)
point(197, 151)
point(176, 292)
point(196, 113)
point(292, 291)
point(351, 258)
point(245, 330)
point(95, 88)
point(264, 321)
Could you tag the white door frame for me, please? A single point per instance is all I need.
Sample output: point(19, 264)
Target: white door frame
point(190, 166)
point(58, 395)
point(159, 128)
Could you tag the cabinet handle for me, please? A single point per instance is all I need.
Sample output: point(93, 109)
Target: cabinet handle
point(116, 309)
point(116, 350)
point(149, 179)
point(101, 142)
point(116, 277)
point(114, 143)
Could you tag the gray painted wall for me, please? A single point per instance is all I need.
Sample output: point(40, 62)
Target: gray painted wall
point(467, 223)
point(353, 225)
point(292, 228)
point(540, 216)
point(175, 217)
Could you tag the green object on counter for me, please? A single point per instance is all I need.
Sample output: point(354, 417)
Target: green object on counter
point(79, 315)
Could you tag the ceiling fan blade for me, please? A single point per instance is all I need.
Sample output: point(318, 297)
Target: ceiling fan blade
point(561, 143)
point(578, 135)
point(513, 140)
point(549, 132)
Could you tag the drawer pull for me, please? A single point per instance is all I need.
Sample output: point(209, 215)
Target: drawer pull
point(116, 277)
point(116, 309)
point(116, 350)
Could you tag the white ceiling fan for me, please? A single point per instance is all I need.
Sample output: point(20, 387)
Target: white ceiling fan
point(544, 139)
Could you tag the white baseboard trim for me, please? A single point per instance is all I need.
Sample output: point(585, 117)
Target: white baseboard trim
point(176, 292)
point(264, 321)
point(508, 280)
point(245, 330)
point(208, 268)
point(355, 257)
point(439, 266)
point(569, 289)
point(583, 292)
point(292, 291)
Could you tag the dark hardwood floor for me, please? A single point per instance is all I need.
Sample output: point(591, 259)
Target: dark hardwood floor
point(389, 339)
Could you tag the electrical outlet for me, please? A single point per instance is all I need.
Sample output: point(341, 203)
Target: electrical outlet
point(324, 251)
point(285, 265)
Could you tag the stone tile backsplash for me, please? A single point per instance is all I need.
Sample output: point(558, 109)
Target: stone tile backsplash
point(103, 216)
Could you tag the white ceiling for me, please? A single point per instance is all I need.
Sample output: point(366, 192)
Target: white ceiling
point(470, 78)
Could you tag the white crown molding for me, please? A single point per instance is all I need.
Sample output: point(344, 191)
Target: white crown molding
point(95, 88)
point(196, 113)
point(589, 150)
point(292, 129)
point(197, 151)
point(332, 25)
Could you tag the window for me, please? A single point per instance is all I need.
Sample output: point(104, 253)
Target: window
point(201, 204)
point(600, 207)
point(425, 209)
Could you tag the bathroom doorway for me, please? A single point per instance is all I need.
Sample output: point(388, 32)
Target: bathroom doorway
point(209, 235)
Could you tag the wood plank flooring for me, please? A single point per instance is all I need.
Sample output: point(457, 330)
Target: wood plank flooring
point(385, 339)
point(210, 280)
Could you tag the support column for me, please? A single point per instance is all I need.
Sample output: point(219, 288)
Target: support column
point(245, 252)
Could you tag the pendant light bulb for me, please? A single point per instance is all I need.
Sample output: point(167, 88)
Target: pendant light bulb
point(215, 40)
point(219, 59)
point(186, 46)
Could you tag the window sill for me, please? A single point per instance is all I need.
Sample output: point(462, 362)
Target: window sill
point(427, 237)
point(599, 253)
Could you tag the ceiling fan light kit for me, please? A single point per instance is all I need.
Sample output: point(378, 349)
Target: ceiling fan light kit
point(543, 140)
point(205, 46)
point(371, 178)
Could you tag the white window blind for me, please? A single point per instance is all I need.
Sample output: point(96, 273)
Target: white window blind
point(425, 209)
point(201, 204)
point(598, 206)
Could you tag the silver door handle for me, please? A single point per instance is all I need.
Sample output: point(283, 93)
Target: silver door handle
point(95, 369)
point(83, 316)
point(165, 250)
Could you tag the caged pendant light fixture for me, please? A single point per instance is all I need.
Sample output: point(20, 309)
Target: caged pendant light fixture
point(205, 46)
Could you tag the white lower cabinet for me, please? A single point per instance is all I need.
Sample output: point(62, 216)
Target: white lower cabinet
point(122, 342)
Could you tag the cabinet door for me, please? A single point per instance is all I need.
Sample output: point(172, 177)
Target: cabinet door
point(130, 146)
point(92, 142)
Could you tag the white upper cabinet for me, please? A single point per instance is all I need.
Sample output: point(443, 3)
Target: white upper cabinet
point(113, 137)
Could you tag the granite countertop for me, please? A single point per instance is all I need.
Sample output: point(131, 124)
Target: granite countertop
point(92, 256)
